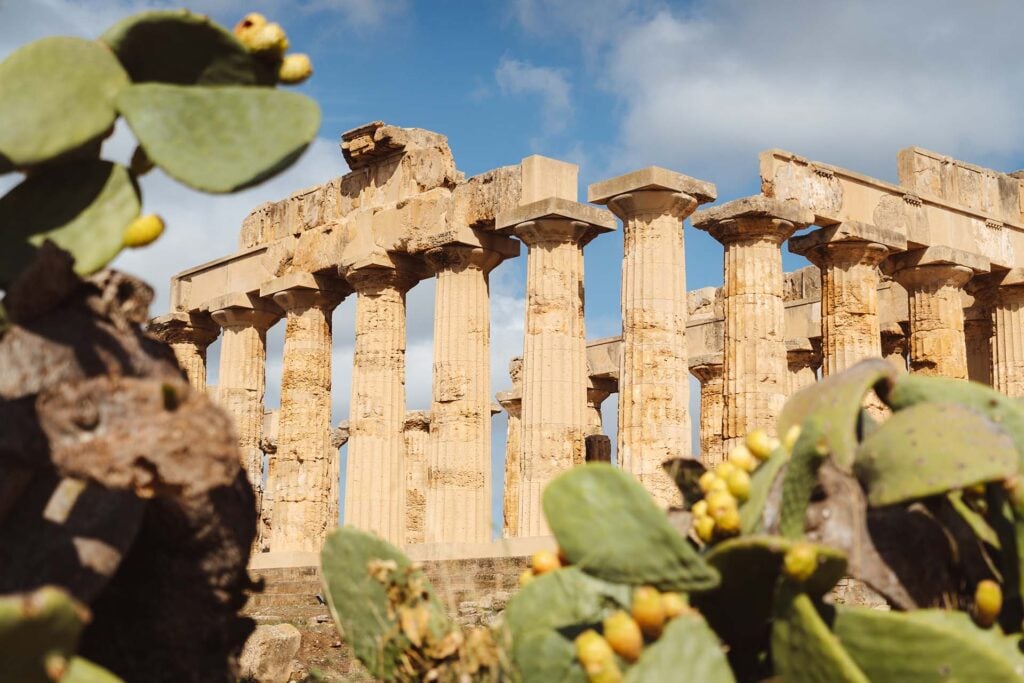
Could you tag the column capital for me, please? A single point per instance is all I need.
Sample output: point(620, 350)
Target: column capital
point(242, 310)
point(652, 190)
point(803, 353)
point(752, 218)
point(417, 419)
point(932, 266)
point(707, 367)
point(848, 243)
point(196, 328)
point(1001, 286)
point(306, 290)
point(598, 389)
point(555, 220)
point(371, 280)
point(510, 401)
point(459, 257)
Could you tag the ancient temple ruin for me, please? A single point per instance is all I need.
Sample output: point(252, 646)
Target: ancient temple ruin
point(924, 272)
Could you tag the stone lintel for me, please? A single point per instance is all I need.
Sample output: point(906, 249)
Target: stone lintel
point(312, 281)
point(603, 357)
point(242, 301)
point(706, 359)
point(599, 220)
point(848, 231)
point(373, 257)
point(198, 328)
point(503, 245)
point(1014, 277)
point(802, 344)
point(747, 208)
point(543, 177)
point(652, 178)
point(939, 255)
point(605, 384)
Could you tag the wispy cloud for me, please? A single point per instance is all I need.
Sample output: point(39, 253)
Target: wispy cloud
point(550, 84)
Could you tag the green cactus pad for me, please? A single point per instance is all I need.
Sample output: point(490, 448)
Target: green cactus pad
point(761, 483)
point(931, 448)
point(82, 207)
point(687, 650)
point(83, 671)
point(803, 648)
point(58, 96)
point(547, 613)
point(359, 602)
point(836, 401)
point(35, 627)
point(220, 139)
point(809, 452)
point(750, 567)
point(686, 473)
point(976, 521)
point(178, 46)
point(908, 390)
point(637, 544)
point(926, 645)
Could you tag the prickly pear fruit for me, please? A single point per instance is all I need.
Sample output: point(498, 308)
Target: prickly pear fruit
point(595, 654)
point(738, 482)
point(728, 523)
point(706, 480)
point(705, 528)
point(792, 434)
point(741, 457)
point(649, 611)
point(143, 230)
point(700, 508)
point(249, 23)
point(544, 561)
point(719, 502)
point(988, 602)
point(526, 577)
point(800, 561)
point(674, 605)
point(294, 69)
point(268, 39)
point(623, 634)
point(761, 444)
point(724, 469)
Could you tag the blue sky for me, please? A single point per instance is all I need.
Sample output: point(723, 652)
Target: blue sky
point(699, 87)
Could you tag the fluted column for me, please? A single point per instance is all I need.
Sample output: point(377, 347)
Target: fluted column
point(934, 278)
point(188, 335)
point(299, 486)
point(803, 358)
point(554, 350)
point(459, 485)
point(417, 447)
point(654, 387)
point(512, 402)
point(978, 328)
point(375, 476)
point(241, 385)
point(755, 372)
point(1004, 296)
point(708, 371)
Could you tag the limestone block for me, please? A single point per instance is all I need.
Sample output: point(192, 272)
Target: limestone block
point(603, 356)
point(254, 227)
point(269, 652)
point(648, 179)
point(982, 189)
point(543, 178)
point(705, 302)
point(477, 201)
point(319, 249)
point(597, 220)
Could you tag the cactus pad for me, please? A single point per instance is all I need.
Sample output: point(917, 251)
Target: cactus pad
point(37, 627)
point(688, 650)
point(220, 139)
point(809, 452)
point(82, 207)
point(178, 46)
point(58, 96)
point(637, 544)
point(761, 483)
point(931, 448)
point(803, 648)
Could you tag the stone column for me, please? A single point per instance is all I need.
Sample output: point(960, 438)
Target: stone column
point(894, 345)
point(848, 255)
point(459, 485)
point(417, 447)
point(339, 437)
point(598, 389)
point(242, 378)
point(708, 371)
point(188, 335)
point(803, 357)
point(934, 278)
point(299, 487)
point(375, 477)
point(1005, 295)
point(978, 342)
point(654, 387)
point(755, 372)
point(512, 402)
point(554, 350)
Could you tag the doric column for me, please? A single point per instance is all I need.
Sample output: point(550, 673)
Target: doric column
point(978, 341)
point(459, 485)
point(339, 437)
point(708, 371)
point(554, 350)
point(241, 382)
point(188, 335)
point(299, 486)
point(654, 387)
point(417, 444)
point(803, 358)
point(1003, 294)
point(375, 475)
point(934, 278)
point(755, 373)
point(512, 403)
point(894, 345)
point(848, 254)
point(598, 389)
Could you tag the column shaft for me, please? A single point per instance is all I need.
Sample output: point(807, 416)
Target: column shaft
point(417, 448)
point(711, 412)
point(849, 303)
point(978, 341)
point(513, 405)
point(188, 335)
point(937, 344)
point(1008, 341)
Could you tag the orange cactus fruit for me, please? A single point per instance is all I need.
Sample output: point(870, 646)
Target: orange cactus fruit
point(623, 634)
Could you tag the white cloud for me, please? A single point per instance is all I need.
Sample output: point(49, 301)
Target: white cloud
point(551, 85)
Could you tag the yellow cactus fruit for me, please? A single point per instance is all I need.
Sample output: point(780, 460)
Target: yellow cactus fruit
point(648, 611)
point(544, 561)
point(700, 508)
point(719, 502)
point(706, 480)
point(623, 634)
point(294, 69)
point(526, 577)
point(739, 484)
point(741, 457)
point(143, 230)
point(728, 522)
point(718, 486)
point(609, 673)
point(251, 22)
point(988, 602)
point(594, 653)
point(800, 561)
point(268, 39)
point(724, 469)
point(761, 444)
point(674, 605)
point(705, 528)
point(792, 434)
